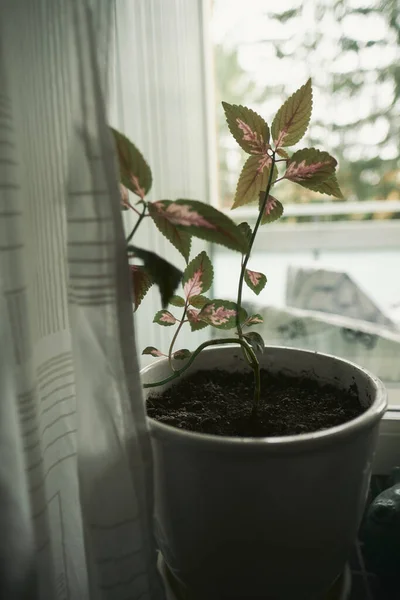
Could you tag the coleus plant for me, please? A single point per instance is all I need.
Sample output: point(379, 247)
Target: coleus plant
point(179, 220)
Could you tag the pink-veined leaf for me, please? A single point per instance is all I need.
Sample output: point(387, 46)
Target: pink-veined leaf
point(141, 283)
point(203, 221)
point(273, 209)
point(181, 354)
point(198, 276)
point(247, 127)
point(330, 187)
point(164, 317)
point(253, 178)
point(255, 280)
point(310, 166)
point(293, 117)
point(153, 352)
point(253, 320)
point(177, 301)
point(194, 321)
point(163, 220)
point(135, 173)
point(222, 314)
point(255, 340)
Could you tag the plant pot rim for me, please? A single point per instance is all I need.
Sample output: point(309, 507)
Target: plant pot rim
point(291, 443)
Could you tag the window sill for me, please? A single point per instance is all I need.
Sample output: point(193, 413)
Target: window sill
point(388, 448)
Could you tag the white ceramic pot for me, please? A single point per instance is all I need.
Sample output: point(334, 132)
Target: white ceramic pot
point(271, 518)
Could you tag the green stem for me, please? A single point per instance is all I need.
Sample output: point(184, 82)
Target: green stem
point(216, 342)
point(175, 336)
point(253, 237)
point(140, 219)
point(255, 366)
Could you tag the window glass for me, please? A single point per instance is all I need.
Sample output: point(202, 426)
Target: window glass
point(263, 51)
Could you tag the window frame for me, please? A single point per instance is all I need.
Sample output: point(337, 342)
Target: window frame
point(311, 235)
point(322, 235)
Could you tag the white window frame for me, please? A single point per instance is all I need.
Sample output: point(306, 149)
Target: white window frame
point(317, 235)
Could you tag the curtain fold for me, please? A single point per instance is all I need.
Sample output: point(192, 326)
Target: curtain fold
point(81, 462)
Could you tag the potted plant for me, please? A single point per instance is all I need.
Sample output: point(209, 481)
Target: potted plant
point(262, 454)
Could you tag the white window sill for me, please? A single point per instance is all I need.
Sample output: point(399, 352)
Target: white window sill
point(388, 449)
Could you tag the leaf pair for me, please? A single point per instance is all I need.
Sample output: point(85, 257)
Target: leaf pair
point(288, 127)
point(309, 167)
point(200, 310)
point(177, 220)
point(196, 280)
point(178, 355)
point(255, 280)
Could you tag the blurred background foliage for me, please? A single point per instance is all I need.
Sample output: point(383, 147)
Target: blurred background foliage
point(351, 49)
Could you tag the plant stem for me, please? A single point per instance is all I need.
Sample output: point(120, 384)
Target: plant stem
point(175, 336)
point(133, 208)
point(255, 366)
point(140, 219)
point(216, 342)
point(253, 237)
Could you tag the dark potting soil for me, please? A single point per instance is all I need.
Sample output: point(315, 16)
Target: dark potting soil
point(220, 402)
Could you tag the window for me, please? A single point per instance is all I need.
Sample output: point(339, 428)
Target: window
point(264, 51)
point(351, 48)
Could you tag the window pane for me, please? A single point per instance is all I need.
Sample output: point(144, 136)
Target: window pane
point(264, 51)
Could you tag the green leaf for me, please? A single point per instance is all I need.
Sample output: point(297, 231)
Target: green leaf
point(152, 351)
point(256, 281)
point(177, 301)
point(194, 321)
point(253, 320)
point(165, 275)
point(310, 167)
point(255, 340)
point(273, 209)
point(203, 221)
point(198, 276)
point(199, 301)
point(181, 354)
point(246, 231)
point(282, 153)
point(253, 178)
point(330, 187)
point(178, 237)
point(222, 314)
point(292, 119)
point(247, 127)
point(141, 282)
point(135, 173)
point(164, 317)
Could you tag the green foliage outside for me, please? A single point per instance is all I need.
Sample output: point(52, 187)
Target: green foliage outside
point(352, 51)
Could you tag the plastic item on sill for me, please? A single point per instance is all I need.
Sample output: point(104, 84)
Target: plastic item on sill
point(381, 531)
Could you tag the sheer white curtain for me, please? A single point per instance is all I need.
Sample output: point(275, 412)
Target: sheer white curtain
point(75, 475)
point(158, 99)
